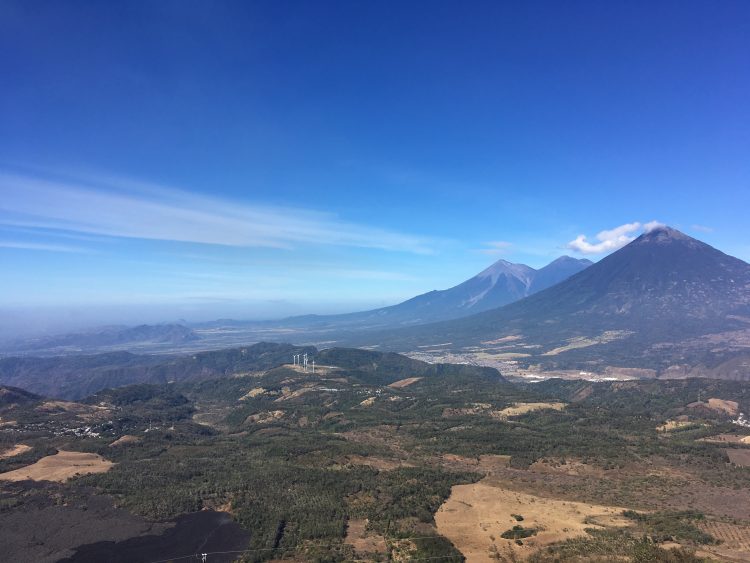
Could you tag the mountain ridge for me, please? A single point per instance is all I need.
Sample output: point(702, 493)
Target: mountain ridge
point(656, 298)
point(500, 283)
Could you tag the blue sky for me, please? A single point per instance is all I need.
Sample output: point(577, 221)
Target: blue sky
point(255, 159)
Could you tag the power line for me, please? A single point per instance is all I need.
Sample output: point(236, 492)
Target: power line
point(200, 556)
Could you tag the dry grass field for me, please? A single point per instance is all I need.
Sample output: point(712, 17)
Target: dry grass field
point(674, 425)
point(404, 382)
point(739, 457)
point(720, 405)
point(522, 408)
point(735, 540)
point(253, 393)
point(82, 411)
point(14, 451)
point(265, 417)
point(124, 440)
point(583, 342)
point(727, 439)
point(60, 467)
point(361, 540)
point(517, 409)
point(476, 515)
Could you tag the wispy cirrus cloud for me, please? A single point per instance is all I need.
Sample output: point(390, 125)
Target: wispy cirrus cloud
point(495, 248)
point(611, 239)
point(122, 208)
point(42, 246)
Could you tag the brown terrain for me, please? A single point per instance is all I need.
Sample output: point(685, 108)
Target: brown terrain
point(739, 457)
point(734, 538)
point(14, 451)
point(727, 439)
point(404, 382)
point(475, 516)
point(674, 425)
point(517, 409)
point(124, 440)
point(718, 405)
point(84, 412)
point(364, 542)
point(60, 467)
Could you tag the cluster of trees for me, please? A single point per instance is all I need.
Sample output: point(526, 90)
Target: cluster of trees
point(285, 501)
point(286, 479)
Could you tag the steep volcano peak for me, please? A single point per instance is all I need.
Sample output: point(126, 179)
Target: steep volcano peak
point(522, 272)
point(570, 260)
point(664, 235)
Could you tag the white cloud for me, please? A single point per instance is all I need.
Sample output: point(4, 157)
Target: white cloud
point(611, 239)
point(495, 248)
point(120, 208)
point(651, 225)
point(41, 246)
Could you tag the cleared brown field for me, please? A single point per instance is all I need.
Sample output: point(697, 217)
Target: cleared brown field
point(673, 425)
point(475, 516)
point(252, 393)
point(517, 409)
point(124, 440)
point(82, 411)
point(404, 382)
point(265, 417)
point(363, 541)
point(522, 408)
point(720, 405)
point(739, 457)
point(14, 451)
point(60, 467)
point(727, 439)
point(735, 540)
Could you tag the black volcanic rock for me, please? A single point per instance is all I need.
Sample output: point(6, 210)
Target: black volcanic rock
point(661, 291)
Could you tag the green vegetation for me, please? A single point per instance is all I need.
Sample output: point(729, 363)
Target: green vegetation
point(294, 457)
point(518, 532)
point(617, 545)
point(672, 526)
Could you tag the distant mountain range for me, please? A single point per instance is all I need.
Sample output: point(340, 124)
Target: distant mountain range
point(76, 376)
point(664, 305)
point(665, 301)
point(502, 283)
point(115, 337)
